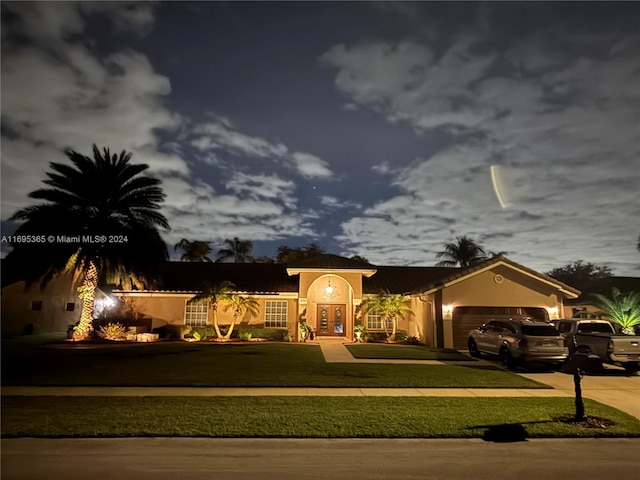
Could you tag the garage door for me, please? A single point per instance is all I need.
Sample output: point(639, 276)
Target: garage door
point(466, 319)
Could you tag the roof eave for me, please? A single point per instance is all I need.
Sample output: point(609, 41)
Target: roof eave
point(567, 290)
point(367, 272)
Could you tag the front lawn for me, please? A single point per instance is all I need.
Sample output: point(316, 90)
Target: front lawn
point(232, 365)
point(405, 352)
point(391, 417)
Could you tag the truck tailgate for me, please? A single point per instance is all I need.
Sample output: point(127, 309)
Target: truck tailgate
point(627, 346)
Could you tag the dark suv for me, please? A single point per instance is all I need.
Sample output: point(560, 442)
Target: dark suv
point(516, 341)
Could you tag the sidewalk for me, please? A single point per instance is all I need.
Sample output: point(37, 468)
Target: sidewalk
point(279, 391)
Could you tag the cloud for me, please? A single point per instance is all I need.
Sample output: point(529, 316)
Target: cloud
point(563, 126)
point(382, 168)
point(336, 203)
point(406, 82)
point(310, 166)
point(263, 187)
point(116, 99)
point(220, 135)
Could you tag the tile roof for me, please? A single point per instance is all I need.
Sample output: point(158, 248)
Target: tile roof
point(405, 280)
point(328, 261)
point(247, 277)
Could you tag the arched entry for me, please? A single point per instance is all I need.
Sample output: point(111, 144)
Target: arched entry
point(330, 298)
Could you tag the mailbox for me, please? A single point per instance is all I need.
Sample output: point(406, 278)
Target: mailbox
point(579, 361)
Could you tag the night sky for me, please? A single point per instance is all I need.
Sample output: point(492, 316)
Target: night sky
point(377, 129)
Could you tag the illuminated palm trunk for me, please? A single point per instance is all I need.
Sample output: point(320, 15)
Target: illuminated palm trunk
point(214, 307)
point(87, 293)
point(232, 326)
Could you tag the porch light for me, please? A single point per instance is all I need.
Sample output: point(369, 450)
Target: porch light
point(330, 291)
point(448, 309)
point(553, 313)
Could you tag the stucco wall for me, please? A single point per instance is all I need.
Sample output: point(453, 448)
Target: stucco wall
point(170, 309)
point(18, 318)
point(516, 289)
point(308, 278)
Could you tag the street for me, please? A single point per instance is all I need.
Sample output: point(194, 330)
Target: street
point(343, 459)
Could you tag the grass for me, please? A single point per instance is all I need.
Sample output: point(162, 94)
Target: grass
point(405, 352)
point(237, 365)
point(390, 417)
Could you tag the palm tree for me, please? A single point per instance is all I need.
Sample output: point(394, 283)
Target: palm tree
point(293, 255)
point(214, 293)
point(238, 250)
point(621, 309)
point(101, 218)
point(391, 307)
point(196, 251)
point(464, 252)
point(240, 305)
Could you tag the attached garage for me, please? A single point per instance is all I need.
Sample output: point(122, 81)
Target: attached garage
point(495, 289)
point(466, 319)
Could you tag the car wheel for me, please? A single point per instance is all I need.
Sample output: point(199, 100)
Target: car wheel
point(632, 367)
point(473, 348)
point(507, 359)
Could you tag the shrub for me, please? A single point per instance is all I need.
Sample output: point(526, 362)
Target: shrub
point(204, 332)
point(112, 331)
point(401, 337)
point(197, 337)
point(246, 336)
point(376, 337)
point(173, 331)
point(277, 334)
point(412, 340)
point(381, 337)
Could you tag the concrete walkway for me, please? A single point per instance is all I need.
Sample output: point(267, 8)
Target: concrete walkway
point(335, 351)
point(280, 391)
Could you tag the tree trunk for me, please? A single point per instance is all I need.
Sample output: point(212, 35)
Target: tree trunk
point(394, 329)
point(214, 307)
point(577, 376)
point(233, 324)
point(87, 293)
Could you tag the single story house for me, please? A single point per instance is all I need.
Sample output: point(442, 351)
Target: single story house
point(326, 290)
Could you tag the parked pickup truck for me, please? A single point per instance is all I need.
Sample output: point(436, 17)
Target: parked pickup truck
point(600, 338)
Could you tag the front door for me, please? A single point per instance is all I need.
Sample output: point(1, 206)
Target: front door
point(331, 320)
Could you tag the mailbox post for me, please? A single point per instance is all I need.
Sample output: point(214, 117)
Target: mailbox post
point(577, 363)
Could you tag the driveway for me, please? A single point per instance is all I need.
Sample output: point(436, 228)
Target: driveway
point(612, 387)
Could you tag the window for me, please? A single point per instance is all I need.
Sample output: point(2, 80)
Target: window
point(196, 313)
point(71, 306)
point(509, 328)
point(275, 313)
point(36, 305)
point(374, 322)
point(595, 327)
point(539, 330)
